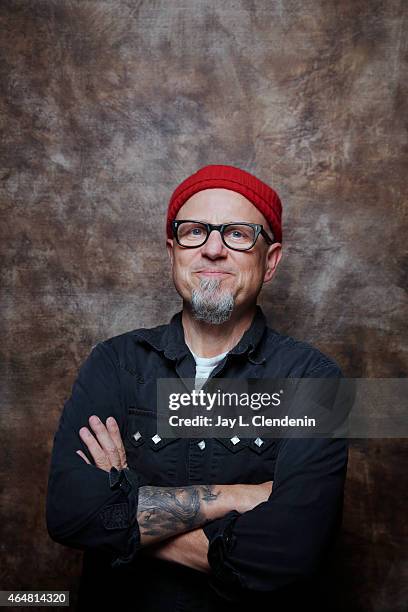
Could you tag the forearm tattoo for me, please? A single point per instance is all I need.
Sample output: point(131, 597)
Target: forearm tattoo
point(166, 511)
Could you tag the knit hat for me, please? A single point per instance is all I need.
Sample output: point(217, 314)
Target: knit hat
point(256, 191)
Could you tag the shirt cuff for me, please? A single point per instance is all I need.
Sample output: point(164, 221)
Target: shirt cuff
point(128, 481)
point(221, 540)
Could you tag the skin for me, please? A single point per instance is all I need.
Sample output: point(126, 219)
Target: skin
point(170, 518)
point(244, 273)
point(165, 512)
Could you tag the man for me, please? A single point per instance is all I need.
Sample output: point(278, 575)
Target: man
point(187, 524)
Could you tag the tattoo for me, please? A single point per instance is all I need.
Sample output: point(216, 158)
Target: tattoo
point(208, 493)
point(166, 511)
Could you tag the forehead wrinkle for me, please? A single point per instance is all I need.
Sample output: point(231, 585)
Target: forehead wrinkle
point(234, 221)
point(213, 202)
point(250, 215)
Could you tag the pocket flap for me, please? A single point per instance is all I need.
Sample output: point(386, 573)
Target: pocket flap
point(234, 444)
point(142, 428)
point(259, 445)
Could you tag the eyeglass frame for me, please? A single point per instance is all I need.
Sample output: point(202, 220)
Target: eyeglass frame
point(257, 227)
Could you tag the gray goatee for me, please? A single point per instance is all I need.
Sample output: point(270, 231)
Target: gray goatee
point(211, 305)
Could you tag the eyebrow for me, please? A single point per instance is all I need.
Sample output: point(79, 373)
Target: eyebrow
point(224, 222)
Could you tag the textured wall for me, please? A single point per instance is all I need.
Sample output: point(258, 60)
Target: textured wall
point(105, 107)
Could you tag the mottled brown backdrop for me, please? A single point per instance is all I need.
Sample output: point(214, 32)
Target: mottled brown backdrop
point(105, 107)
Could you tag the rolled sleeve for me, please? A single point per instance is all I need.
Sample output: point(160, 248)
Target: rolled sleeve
point(224, 579)
point(286, 538)
point(86, 507)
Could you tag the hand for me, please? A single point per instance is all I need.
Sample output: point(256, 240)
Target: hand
point(188, 549)
point(107, 449)
point(247, 496)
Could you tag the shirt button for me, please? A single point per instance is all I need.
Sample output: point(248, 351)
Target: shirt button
point(201, 444)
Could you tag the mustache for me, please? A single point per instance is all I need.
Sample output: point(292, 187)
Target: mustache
point(213, 269)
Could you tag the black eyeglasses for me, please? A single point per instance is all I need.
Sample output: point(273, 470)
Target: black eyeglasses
point(237, 236)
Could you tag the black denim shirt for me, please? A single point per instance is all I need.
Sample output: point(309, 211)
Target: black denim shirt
point(255, 558)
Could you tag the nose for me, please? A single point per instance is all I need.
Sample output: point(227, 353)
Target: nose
point(214, 247)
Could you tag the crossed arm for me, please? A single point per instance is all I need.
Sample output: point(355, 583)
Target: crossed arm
point(170, 518)
point(268, 545)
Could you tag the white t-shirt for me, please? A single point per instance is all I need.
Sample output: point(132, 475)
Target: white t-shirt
point(204, 367)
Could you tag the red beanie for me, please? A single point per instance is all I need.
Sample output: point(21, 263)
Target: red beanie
point(228, 177)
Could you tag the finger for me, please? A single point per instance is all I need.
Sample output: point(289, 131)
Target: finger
point(114, 431)
point(98, 454)
point(105, 440)
point(84, 457)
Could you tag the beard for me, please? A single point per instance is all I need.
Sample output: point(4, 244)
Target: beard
point(210, 305)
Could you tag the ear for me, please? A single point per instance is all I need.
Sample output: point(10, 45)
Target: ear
point(272, 260)
point(169, 246)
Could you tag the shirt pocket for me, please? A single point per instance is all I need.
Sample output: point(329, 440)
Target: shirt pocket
point(152, 456)
point(245, 460)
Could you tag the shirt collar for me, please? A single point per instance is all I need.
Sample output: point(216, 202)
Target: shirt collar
point(169, 339)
